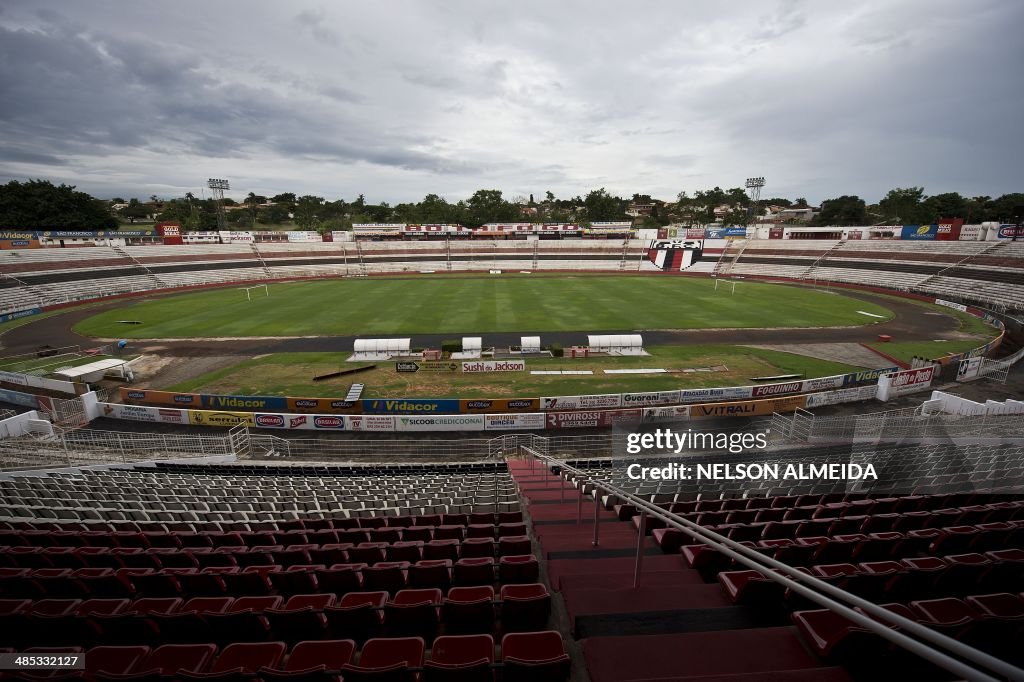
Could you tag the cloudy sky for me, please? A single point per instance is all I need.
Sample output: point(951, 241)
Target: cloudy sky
point(399, 99)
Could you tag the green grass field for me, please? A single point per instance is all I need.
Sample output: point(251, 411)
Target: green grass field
point(291, 374)
point(386, 306)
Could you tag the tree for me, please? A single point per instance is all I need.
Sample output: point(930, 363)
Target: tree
point(532, 202)
point(549, 196)
point(601, 206)
point(307, 211)
point(904, 205)
point(39, 205)
point(777, 201)
point(273, 215)
point(488, 206)
point(252, 203)
point(948, 205)
point(135, 210)
point(801, 203)
point(844, 210)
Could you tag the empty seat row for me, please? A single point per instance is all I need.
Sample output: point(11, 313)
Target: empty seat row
point(160, 538)
point(232, 555)
point(804, 550)
point(892, 581)
point(326, 521)
point(993, 623)
point(356, 615)
point(529, 656)
point(264, 580)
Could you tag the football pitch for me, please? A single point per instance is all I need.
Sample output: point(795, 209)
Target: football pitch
point(496, 303)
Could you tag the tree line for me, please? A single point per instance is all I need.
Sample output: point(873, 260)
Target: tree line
point(38, 205)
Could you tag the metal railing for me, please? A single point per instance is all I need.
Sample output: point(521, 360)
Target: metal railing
point(931, 645)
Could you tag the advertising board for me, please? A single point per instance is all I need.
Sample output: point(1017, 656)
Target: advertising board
point(696, 395)
point(822, 383)
point(652, 398)
point(748, 408)
point(215, 418)
point(136, 395)
point(18, 398)
point(511, 422)
point(775, 389)
point(478, 366)
point(140, 413)
point(455, 422)
point(581, 402)
point(245, 402)
point(919, 232)
point(322, 405)
point(411, 406)
point(496, 405)
point(653, 415)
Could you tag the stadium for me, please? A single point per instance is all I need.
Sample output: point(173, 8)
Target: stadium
point(388, 457)
point(426, 341)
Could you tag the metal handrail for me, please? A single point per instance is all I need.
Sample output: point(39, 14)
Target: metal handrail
point(792, 578)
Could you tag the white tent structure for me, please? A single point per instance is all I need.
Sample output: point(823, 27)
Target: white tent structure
point(472, 347)
point(529, 344)
point(617, 344)
point(94, 371)
point(380, 349)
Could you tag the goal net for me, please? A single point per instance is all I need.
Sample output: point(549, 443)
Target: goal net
point(248, 291)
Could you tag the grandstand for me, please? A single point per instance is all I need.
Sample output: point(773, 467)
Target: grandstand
point(969, 271)
point(246, 556)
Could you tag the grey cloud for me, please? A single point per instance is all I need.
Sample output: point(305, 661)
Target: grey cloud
point(398, 100)
point(315, 21)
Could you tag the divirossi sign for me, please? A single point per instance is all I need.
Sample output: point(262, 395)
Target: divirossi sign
point(494, 366)
point(588, 420)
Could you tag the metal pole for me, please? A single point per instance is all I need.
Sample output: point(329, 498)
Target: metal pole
point(597, 517)
point(579, 504)
point(639, 567)
point(561, 484)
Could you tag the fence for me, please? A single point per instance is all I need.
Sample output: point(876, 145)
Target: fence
point(893, 425)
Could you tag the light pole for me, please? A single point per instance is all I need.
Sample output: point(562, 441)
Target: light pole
point(218, 185)
point(755, 185)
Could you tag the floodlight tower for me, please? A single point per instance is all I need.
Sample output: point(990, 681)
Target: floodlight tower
point(217, 186)
point(754, 186)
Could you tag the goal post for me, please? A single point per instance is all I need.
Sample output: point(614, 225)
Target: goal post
point(248, 291)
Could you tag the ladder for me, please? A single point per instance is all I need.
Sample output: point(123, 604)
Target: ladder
point(259, 257)
point(723, 268)
point(819, 259)
point(362, 264)
point(536, 253)
point(625, 253)
point(124, 254)
point(988, 249)
point(448, 252)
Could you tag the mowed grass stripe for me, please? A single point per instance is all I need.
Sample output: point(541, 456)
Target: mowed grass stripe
point(382, 306)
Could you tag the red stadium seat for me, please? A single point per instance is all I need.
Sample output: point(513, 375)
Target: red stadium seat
point(465, 658)
point(534, 657)
point(469, 609)
point(387, 659)
point(311, 661)
point(525, 607)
